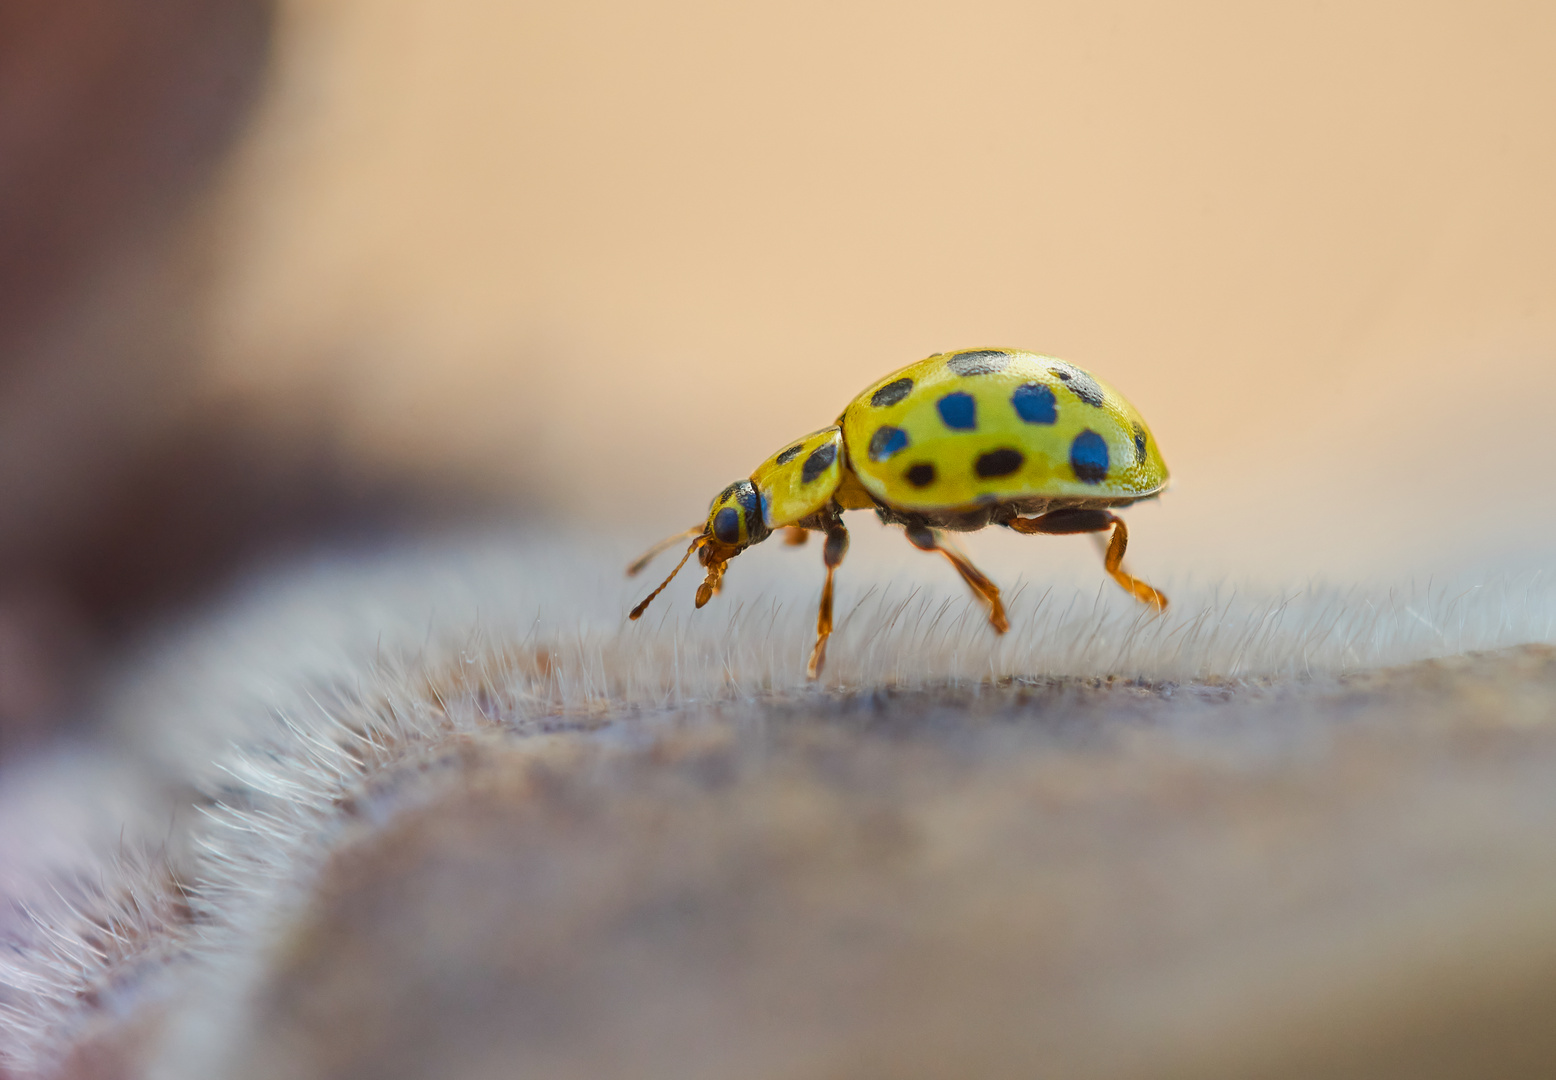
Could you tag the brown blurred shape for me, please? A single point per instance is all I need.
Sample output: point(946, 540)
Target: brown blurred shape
point(127, 490)
point(113, 119)
point(112, 115)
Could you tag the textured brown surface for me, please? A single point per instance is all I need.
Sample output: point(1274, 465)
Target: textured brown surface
point(1061, 879)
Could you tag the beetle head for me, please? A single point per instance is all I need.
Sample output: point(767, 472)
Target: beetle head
point(734, 523)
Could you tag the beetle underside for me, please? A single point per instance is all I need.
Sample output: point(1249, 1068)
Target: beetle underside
point(994, 511)
point(1059, 516)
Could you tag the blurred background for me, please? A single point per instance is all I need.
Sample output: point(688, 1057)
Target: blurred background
point(278, 277)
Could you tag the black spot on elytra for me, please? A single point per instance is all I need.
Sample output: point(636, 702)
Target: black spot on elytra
point(1000, 462)
point(1083, 385)
point(887, 441)
point(726, 526)
point(1139, 444)
point(1034, 403)
point(820, 461)
point(921, 475)
point(790, 454)
point(1089, 457)
point(958, 411)
point(891, 393)
point(978, 362)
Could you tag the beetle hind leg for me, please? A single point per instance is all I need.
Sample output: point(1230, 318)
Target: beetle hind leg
point(832, 554)
point(1061, 522)
point(926, 539)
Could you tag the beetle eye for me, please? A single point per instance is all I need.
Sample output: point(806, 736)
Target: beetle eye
point(726, 526)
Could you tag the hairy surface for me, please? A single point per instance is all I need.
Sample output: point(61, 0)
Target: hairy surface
point(446, 814)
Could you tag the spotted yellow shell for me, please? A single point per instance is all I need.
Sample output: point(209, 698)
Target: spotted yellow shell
point(959, 429)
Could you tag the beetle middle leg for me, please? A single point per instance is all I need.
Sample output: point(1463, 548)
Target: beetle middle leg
point(832, 554)
point(1062, 522)
point(926, 539)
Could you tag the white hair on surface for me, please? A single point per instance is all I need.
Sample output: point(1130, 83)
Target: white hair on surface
point(275, 710)
point(84, 886)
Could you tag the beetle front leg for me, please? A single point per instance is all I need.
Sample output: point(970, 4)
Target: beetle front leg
point(926, 539)
point(832, 555)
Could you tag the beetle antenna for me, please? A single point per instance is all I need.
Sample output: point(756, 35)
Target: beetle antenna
point(667, 542)
point(697, 543)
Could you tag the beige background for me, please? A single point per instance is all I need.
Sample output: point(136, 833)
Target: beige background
point(607, 256)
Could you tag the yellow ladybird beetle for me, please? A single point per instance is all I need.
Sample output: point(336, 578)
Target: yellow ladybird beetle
point(954, 442)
